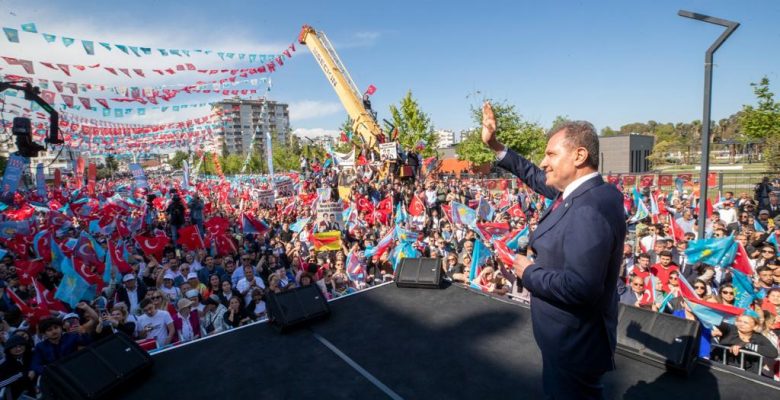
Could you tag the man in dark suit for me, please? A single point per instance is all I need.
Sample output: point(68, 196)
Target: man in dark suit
point(578, 246)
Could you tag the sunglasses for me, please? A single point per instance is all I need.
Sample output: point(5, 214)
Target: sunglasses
point(672, 278)
point(698, 287)
point(729, 293)
point(768, 251)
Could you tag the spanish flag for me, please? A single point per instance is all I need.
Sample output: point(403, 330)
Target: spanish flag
point(323, 241)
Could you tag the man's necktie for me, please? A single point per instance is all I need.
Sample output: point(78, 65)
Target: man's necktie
point(558, 202)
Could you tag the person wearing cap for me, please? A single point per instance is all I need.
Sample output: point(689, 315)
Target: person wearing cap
point(212, 320)
point(56, 343)
point(763, 219)
point(131, 292)
point(186, 321)
point(728, 214)
point(15, 372)
point(165, 282)
point(195, 284)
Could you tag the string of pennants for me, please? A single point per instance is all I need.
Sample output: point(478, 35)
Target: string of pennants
point(12, 35)
point(647, 180)
point(68, 69)
point(135, 91)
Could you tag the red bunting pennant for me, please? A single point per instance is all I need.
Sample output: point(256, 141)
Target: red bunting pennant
point(64, 68)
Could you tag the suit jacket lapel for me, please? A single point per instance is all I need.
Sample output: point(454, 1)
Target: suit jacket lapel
point(551, 217)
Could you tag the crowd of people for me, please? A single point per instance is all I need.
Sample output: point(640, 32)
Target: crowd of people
point(82, 263)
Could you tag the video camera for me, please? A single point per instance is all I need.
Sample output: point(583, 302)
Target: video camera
point(22, 127)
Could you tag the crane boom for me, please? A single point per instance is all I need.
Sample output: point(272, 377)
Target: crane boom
point(364, 122)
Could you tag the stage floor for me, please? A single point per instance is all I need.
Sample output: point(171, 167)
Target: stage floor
point(417, 344)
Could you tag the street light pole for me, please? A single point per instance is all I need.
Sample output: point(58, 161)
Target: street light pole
point(730, 26)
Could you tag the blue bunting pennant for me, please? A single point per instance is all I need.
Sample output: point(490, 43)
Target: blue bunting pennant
point(67, 41)
point(107, 46)
point(89, 47)
point(11, 34)
point(49, 37)
point(30, 27)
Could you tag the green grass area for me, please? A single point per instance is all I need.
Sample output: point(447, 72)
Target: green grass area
point(746, 168)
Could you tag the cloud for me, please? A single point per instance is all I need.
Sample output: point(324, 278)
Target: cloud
point(314, 132)
point(306, 109)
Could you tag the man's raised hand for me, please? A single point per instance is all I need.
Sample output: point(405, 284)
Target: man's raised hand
point(489, 128)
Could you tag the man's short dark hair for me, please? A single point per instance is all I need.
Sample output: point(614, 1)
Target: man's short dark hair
point(47, 323)
point(580, 134)
point(145, 302)
point(762, 269)
point(665, 253)
point(644, 255)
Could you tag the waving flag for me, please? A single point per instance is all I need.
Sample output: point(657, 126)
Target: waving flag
point(641, 209)
point(298, 226)
point(323, 241)
point(400, 214)
point(250, 225)
point(116, 256)
point(222, 244)
point(42, 246)
point(773, 239)
point(515, 211)
point(405, 235)
point(27, 270)
point(86, 252)
point(742, 261)
point(8, 229)
point(513, 238)
point(491, 231)
point(382, 246)
point(757, 226)
point(462, 214)
point(73, 288)
point(713, 251)
point(479, 256)
point(416, 206)
point(152, 245)
point(485, 210)
point(215, 225)
point(677, 233)
point(355, 270)
point(405, 249)
point(190, 238)
point(506, 256)
point(711, 315)
point(744, 294)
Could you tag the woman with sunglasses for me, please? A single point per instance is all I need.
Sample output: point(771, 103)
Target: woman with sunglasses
point(701, 288)
point(727, 294)
point(744, 335)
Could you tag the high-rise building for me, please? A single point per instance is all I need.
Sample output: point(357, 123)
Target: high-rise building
point(245, 120)
point(446, 138)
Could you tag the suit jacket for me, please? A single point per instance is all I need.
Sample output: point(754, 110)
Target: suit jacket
point(628, 297)
point(121, 294)
point(573, 280)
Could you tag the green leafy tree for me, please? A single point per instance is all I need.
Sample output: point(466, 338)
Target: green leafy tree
point(3, 162)
point(178, 159)
point(607, 131)
point(763, 121)
point(413, 125)
point(524, 137)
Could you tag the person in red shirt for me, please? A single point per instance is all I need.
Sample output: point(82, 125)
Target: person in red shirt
point(663, 268)
point(642, 267)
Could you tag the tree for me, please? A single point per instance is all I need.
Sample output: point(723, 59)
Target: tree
point(763, 121)
point(524, 137)
point(3, 162)
point(607, 131)
point(178, 159)
point(111, 163)
point(413, 125)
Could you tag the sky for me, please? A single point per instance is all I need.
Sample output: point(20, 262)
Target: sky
point(608, 62)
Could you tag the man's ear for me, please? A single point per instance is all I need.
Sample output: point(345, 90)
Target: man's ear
point(580, 156)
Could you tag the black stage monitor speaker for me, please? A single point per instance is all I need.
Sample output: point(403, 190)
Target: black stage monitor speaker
point(659, 339)
point(296, 307)
point(97, 371)
point(419, 273)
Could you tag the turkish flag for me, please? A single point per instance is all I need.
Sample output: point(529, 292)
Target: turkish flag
point(416, 206)
point(677, 233)
point(613, 179)
point(27, 270)
point(646, 180)
point(116, 253)
point(371, 90)
point(515, 211)
point(665, 180)
point(189, 237)
point(152, 245)
point(741, 261)
point(216, 225)
point(629, 180)
point(224, 244)
point(87, 272)
point(86, 252)
point(22, 213)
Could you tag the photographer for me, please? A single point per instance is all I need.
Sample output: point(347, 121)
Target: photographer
point(175, 213)
point(114, 322)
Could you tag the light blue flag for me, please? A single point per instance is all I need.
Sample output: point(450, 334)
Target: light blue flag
point(463, 214)
point(514, 242)
point(400, 214)
point(712, 251)
point(773, 239)
point(298, 226)
point(479, 256)
point(485, 210)
point(743, 289)
point(73, 288)
point(757, 226)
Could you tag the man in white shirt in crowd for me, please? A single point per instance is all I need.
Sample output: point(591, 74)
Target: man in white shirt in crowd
point(728, 214)
point(155, 324)
point(248, 283)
